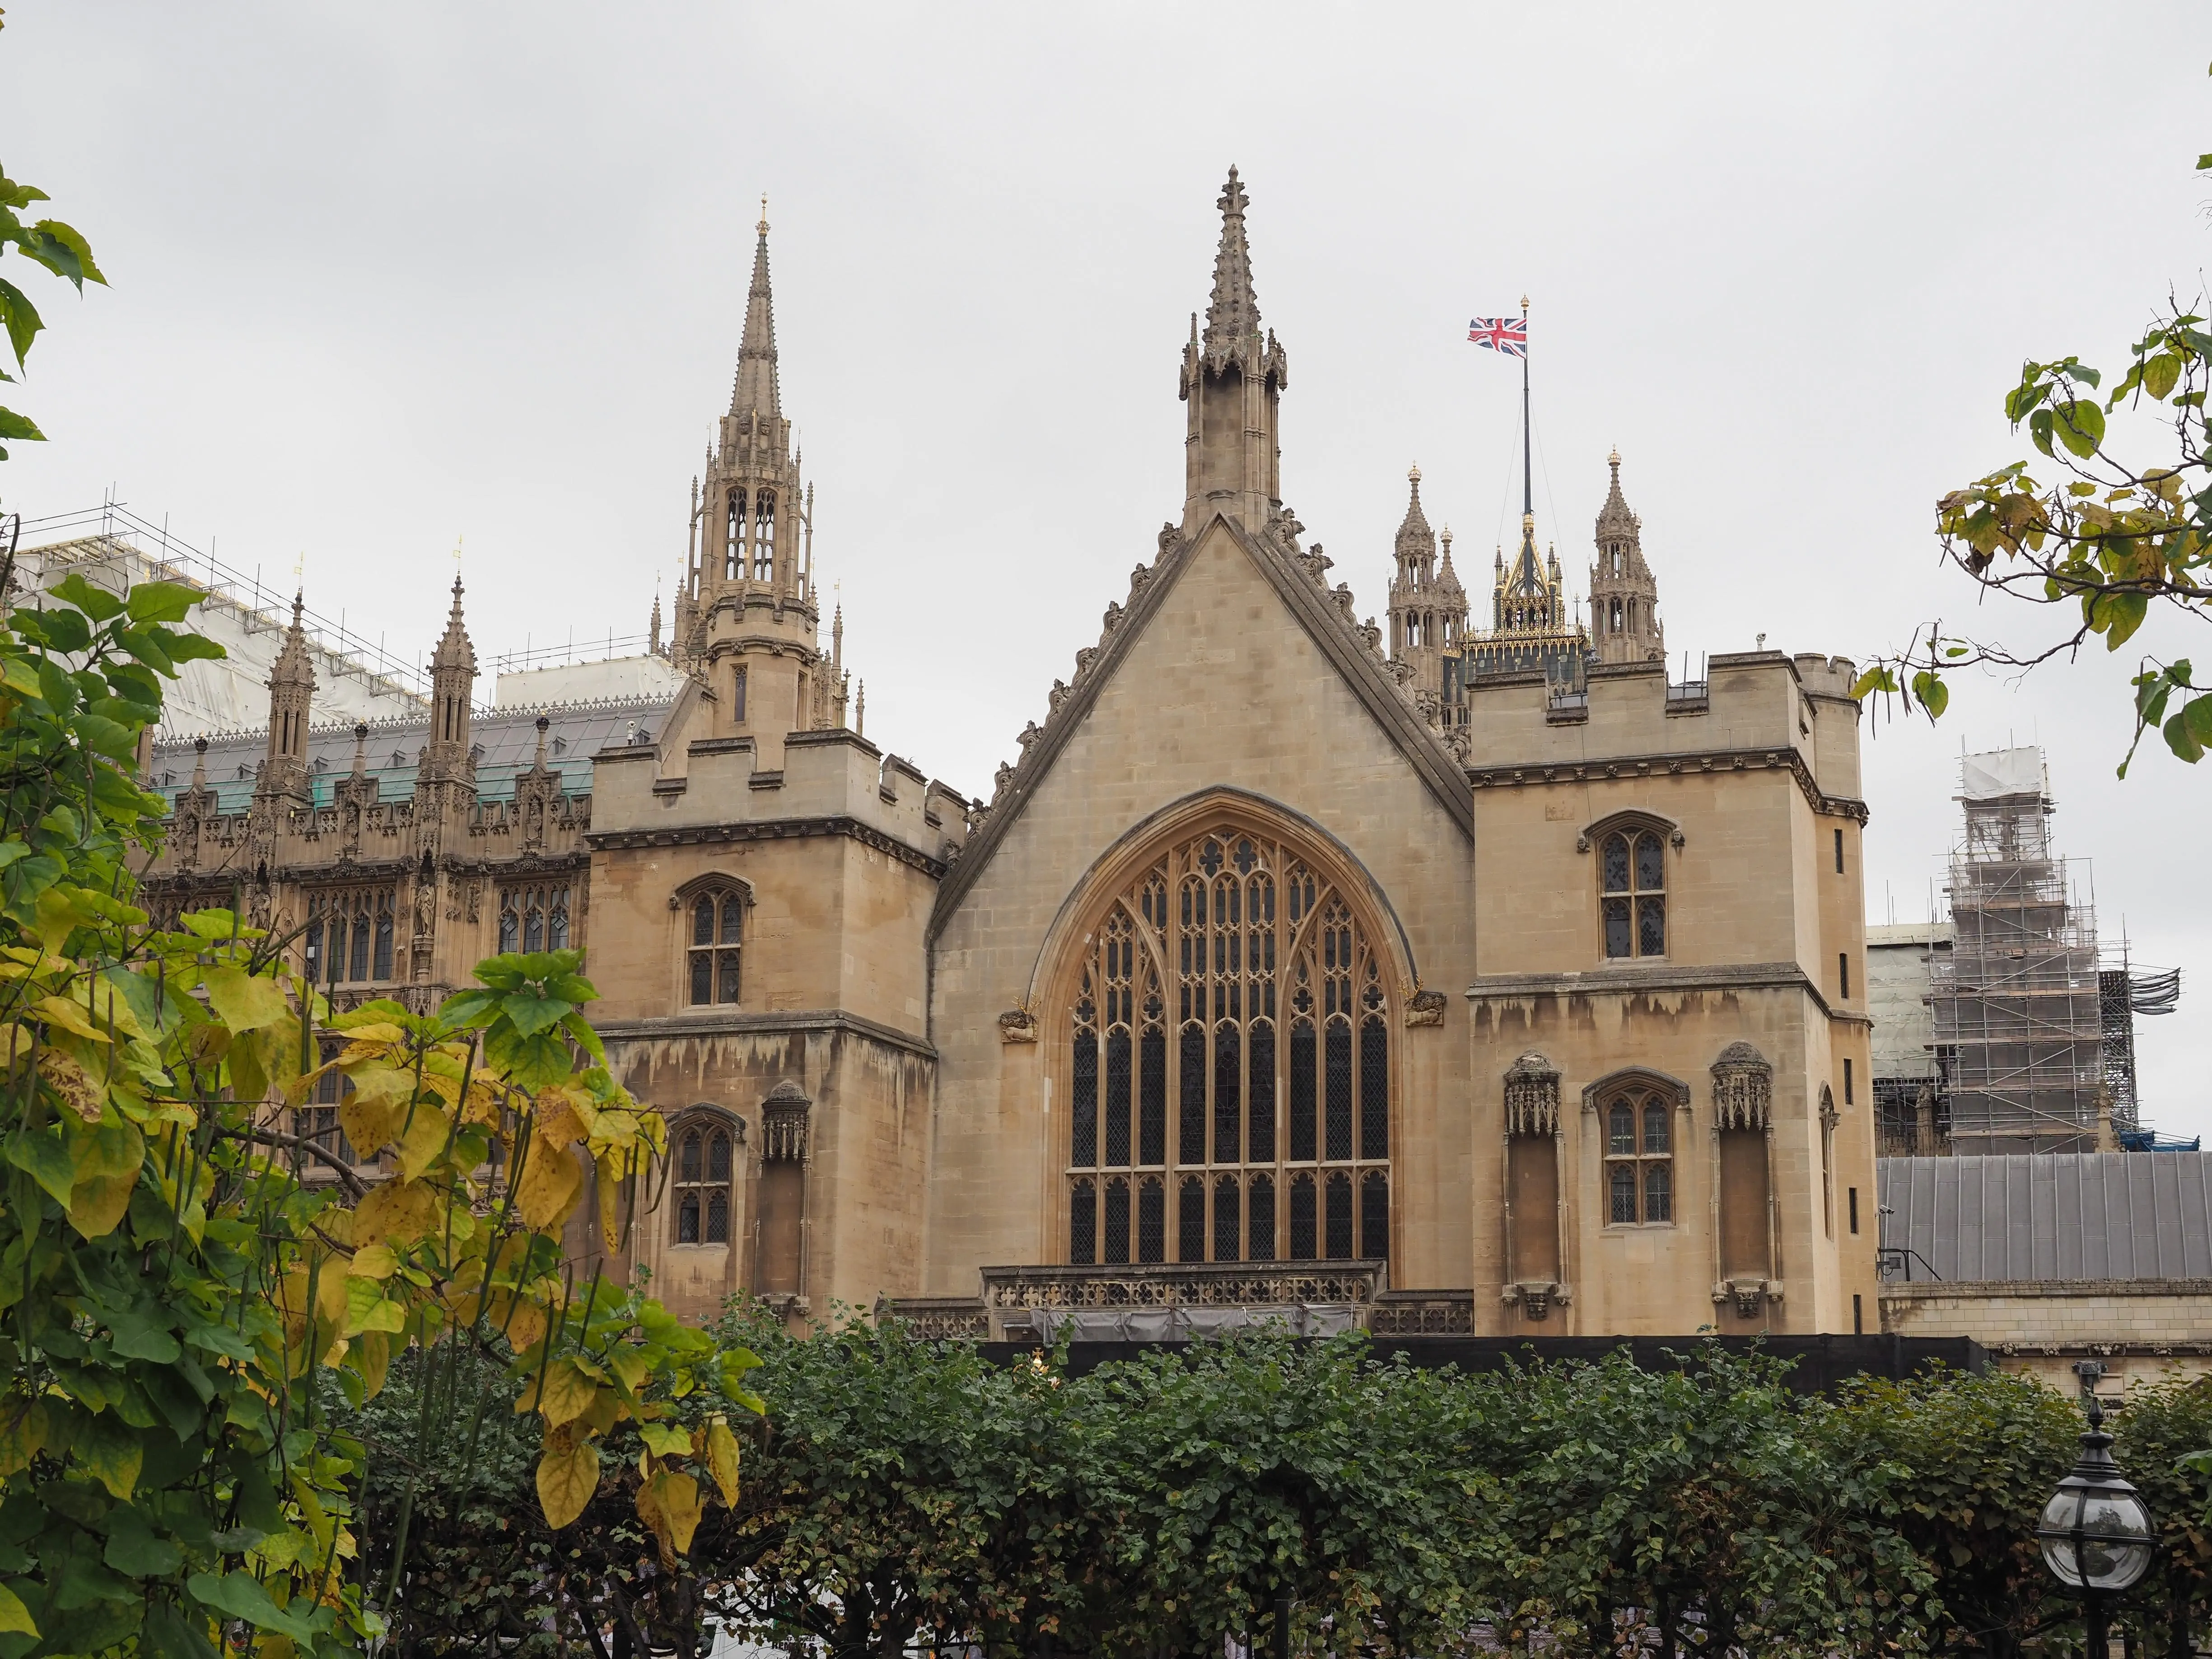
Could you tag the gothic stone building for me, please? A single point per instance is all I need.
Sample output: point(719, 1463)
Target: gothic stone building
point(1431, 988)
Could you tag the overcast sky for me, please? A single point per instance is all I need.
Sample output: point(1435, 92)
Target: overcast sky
point(387, 277)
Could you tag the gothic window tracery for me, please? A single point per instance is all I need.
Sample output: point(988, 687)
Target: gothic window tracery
point(737, 696)
point(1229, 1038)
point(1632, 898)
point(1639, 1157)
point(733, 538)
point(714, 935)
point(702, 1179)
point(764, 537)
point(349, 935)
point(534, 918)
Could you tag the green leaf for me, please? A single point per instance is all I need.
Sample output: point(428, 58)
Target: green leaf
point(42, 1155)
point(2117, 617)
point(2160, 374)
point(2081, 427)
point(1932, 693)
point(531, 1013)
point(109, 1450)
point(2180, 739)
point(162, 602)
point(239, 1595)
point(2038, 429)
point(134, 1548)
point(96, 603)
point(14, 1615)
point(61, 249)
point(21, 318)
point(13, 425)
point(2197, 718)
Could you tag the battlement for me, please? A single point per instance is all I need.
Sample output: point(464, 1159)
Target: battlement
point(641, 789)
point(1751, 700)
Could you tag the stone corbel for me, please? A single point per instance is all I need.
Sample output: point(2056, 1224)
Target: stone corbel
point(1749, 1295)
point(1424, 1008)
point(1017, 1025)
point(1536, 1297)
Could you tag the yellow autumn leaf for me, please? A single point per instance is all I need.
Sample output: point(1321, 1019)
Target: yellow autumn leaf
point(548, 1189)
point(372, 1357)
point(373, 1110)
point(568, 1476)
point(71, 1082)
point(16, 1040)
point(375, 1261)
point(665, 1439)
point(244, 1001)
point(564, 1394)
point(24, 1430)
point(367, 1309)
point(397, 1212)
point(668, 1503)
point(722, 1460)
point(424, 1140)
point(106, 1161)
point(14, 1615)
point(69, 1016)
point(613, 1195)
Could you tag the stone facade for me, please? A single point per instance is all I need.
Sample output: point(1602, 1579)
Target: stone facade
point(1284, 969)
point(2136, 1328)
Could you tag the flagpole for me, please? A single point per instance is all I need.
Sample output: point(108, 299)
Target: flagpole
point(1527, 477)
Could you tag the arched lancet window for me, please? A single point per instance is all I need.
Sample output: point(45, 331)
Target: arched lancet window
point(733, 538)
point(714, 943)
point(764, 538)
point(1616, 616)
point(533, 918)
point(705, 1169)
point(737, 696)
point(1632, 898)
point(1639, 1157)
point(1230, 1026)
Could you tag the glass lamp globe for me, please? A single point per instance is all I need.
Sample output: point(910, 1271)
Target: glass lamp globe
point(2095, 1531)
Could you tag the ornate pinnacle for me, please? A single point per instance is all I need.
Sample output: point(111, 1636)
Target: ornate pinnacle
point(1232, 315)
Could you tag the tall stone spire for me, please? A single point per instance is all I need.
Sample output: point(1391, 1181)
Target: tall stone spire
point(1624, 594)
point(1232, 315)
point(746, 626)
point(291, 691)
point(756, 388)
point(452, 673)
point(1233, 378)
point(1426, 618)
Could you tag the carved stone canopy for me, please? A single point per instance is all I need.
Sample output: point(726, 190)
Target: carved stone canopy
point(1532, 1095)
point(784, 1117)
point(1743, 1089)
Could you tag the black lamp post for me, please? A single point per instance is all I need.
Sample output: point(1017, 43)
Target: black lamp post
point(2096, 1534)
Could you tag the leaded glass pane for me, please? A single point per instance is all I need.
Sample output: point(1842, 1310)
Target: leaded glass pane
point(726, 970)
point(384, 947)
point(718, 1158)
point(1151, 1221)
point(1615, 864)
point(1303, 1140)
point(1083, 1102)
point(1374, 1088)
point(1117, 1108)
point(1339, 1217)
point(1192, 1111)
point(702, 922)
point(1304, 1243)
point(1620, 1128)
point(703, 972)
point(1622, 1178)
point(1190, 1220)
point(718, 1217)
point(733, 918)
point(1117, 1222)
point(1657, 1132)
point(1651, 926)
point(1260, 1219)
point(1227, 1220)
point(1228, 1062)
point(1340, 1088)
point(1152, 1096)
point(1374, 1216)
point(1651, 864)
point(556, 926)
point(1083, 1224)
point(1259, 1125)
point(688, 1166)
point(1658, 1192)
point(1619, 940)
point(533, 929)
point(358, 969)
point(687, 1220)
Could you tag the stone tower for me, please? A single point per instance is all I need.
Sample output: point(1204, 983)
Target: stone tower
point(1428, 608)
point(1624, 596)
point(746, 619)
point(1232, 379)
point(452, 678)
point(291, 689)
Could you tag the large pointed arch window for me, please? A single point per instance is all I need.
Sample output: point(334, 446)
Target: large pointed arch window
point(1228, 1044)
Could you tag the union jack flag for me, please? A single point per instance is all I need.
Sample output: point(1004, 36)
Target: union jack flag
point(1507, 334)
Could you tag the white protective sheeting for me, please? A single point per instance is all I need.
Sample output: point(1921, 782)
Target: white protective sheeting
point(2004, 772)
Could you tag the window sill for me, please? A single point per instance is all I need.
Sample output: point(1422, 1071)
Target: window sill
point(674, 1246)
point(1639, 1227)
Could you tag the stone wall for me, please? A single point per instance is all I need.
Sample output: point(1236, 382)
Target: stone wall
point(2139, 1328)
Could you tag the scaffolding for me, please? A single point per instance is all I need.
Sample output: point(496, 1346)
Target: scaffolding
point(2018, 1002)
